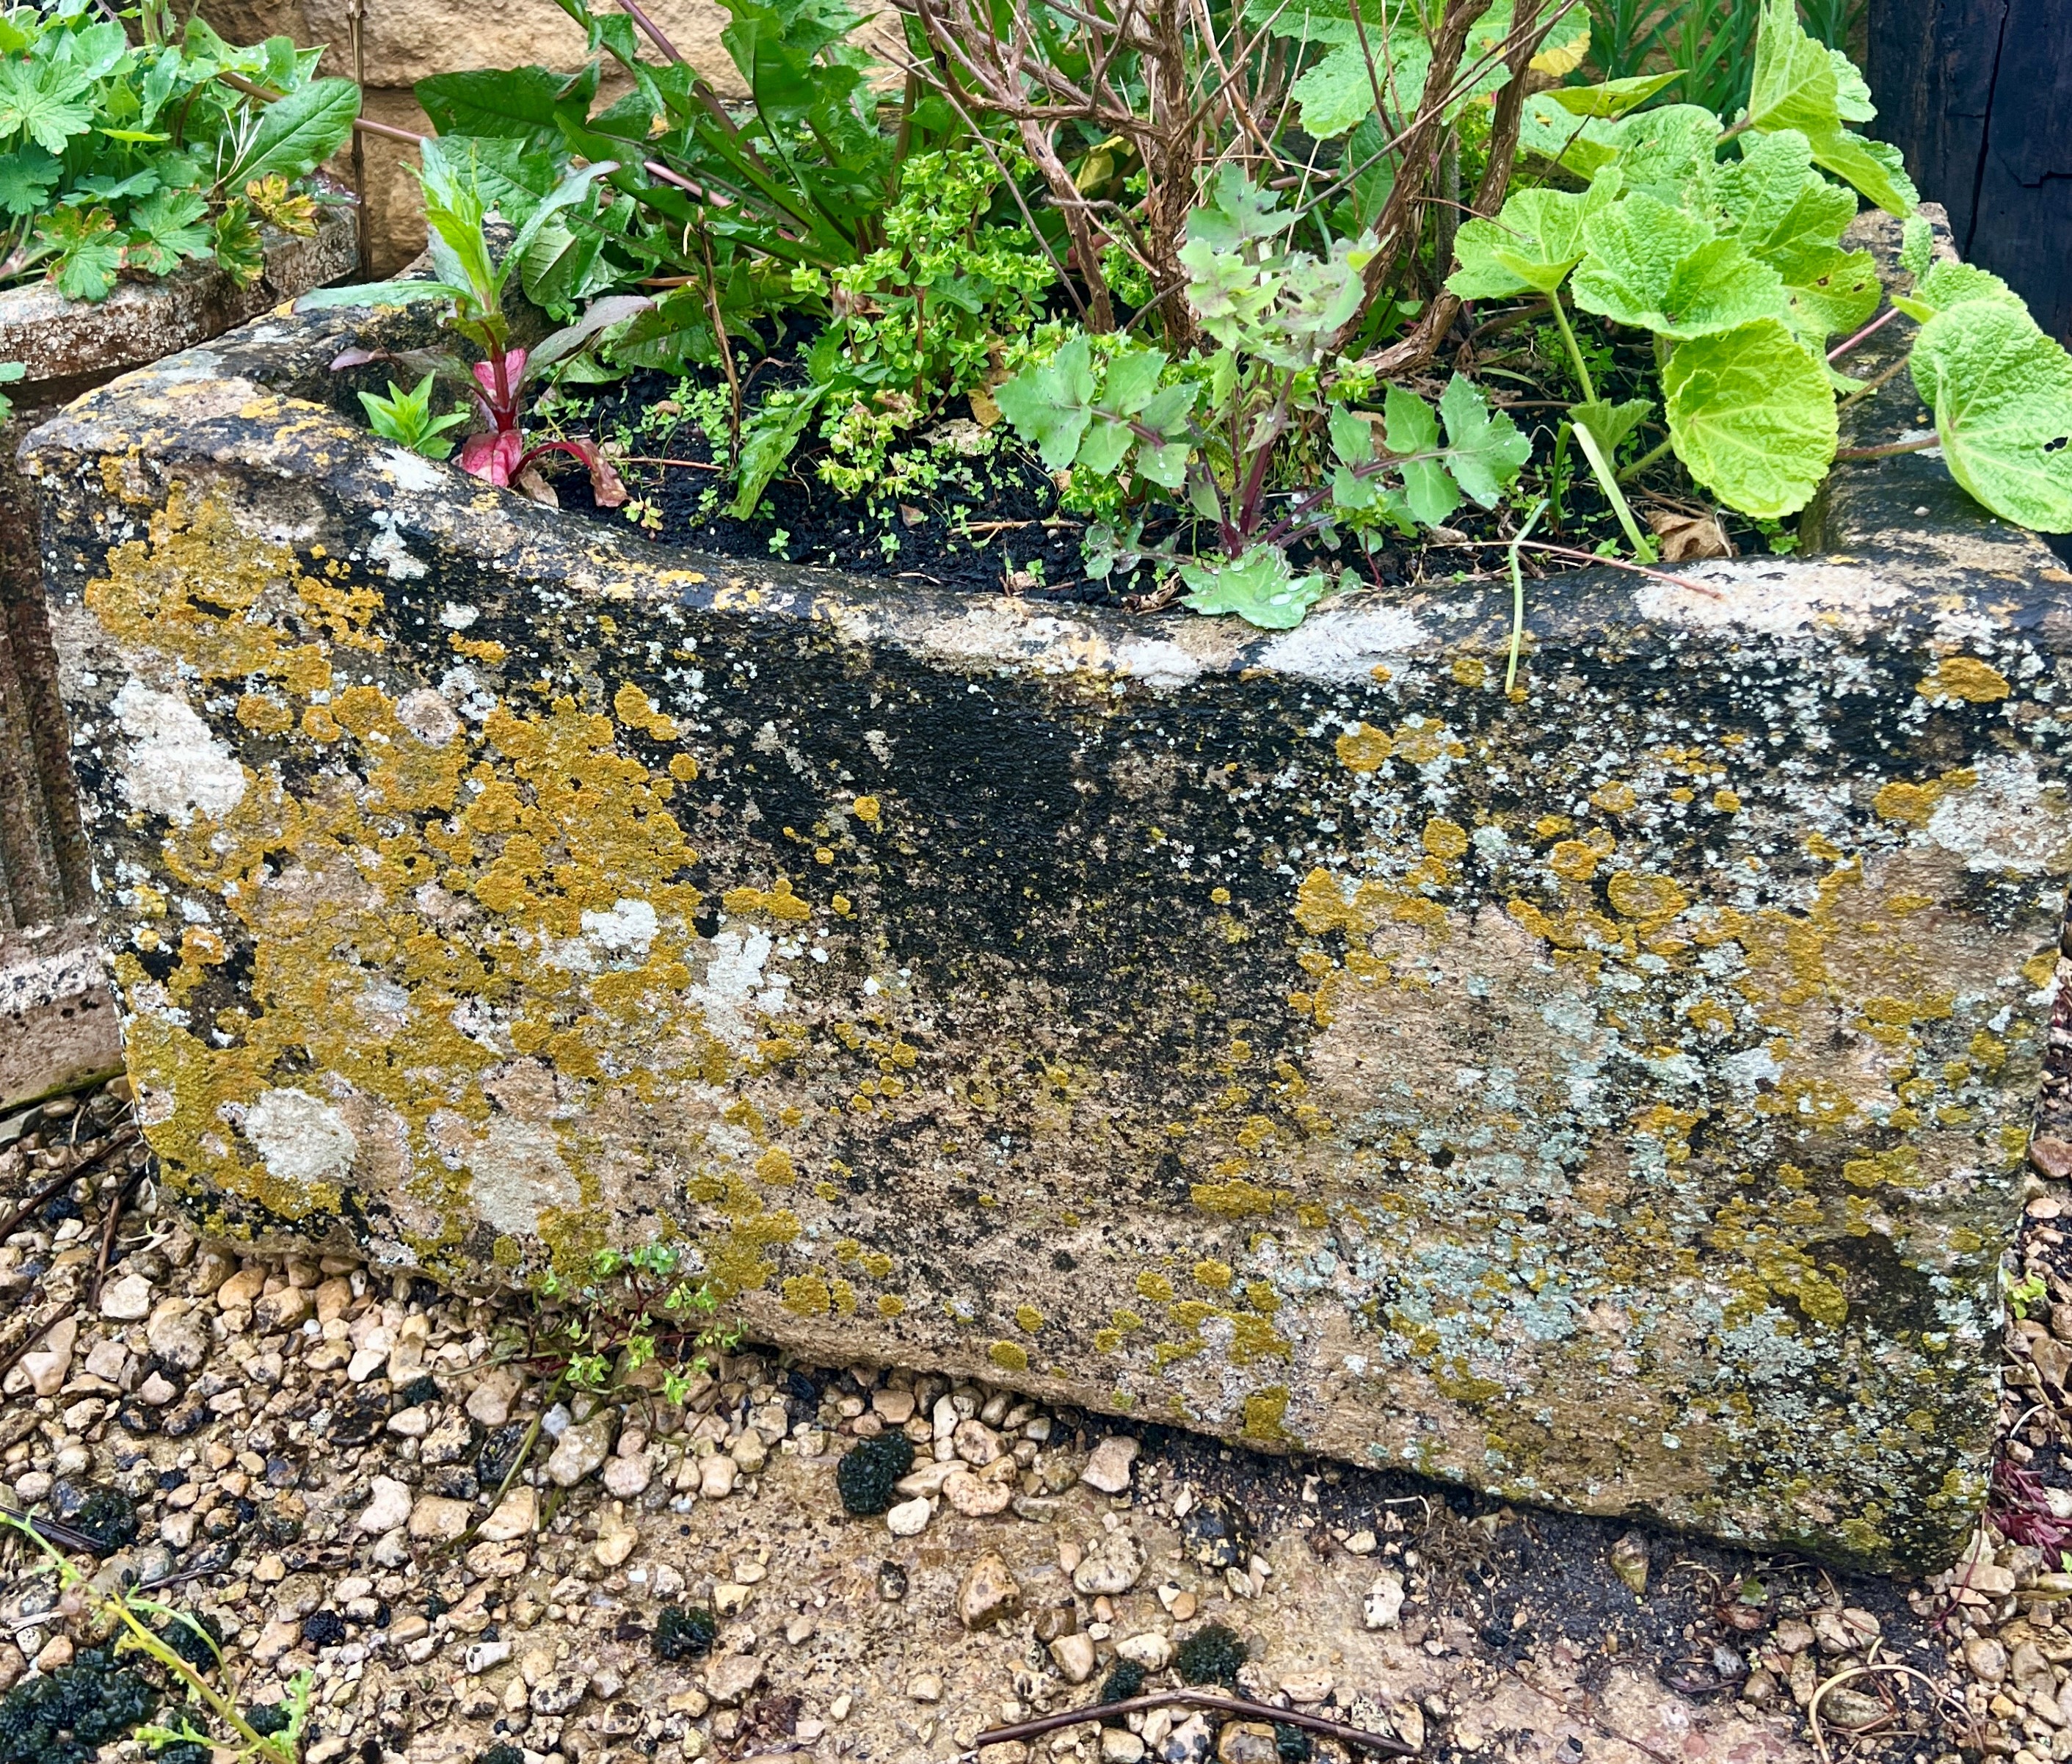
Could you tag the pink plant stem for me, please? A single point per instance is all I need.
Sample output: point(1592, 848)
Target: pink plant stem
point(1876, 324)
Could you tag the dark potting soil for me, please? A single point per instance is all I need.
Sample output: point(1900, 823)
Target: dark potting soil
point(969, 507)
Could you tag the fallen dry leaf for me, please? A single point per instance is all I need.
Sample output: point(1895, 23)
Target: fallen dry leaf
point(1686, 537)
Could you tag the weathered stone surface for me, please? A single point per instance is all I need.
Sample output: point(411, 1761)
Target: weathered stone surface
point(1615, 1094)
point(57, 1021)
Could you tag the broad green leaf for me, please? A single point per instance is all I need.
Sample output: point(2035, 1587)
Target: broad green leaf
point(1667, 153)
point(1659, 268)
point(767, 443)
point(1773, 201)
point(1352, 437)
point(1337, 92)
point(1613, 97)
point(1531, 243)
point(1410, 427)
point(299, 132)
point(1106, 445)
point(1751, 415)
point(514, 104)
point(1793, 83)
point(1131, 379)
point(1484, 450)
point(1051, 405)
point(1827, 290)
point(1258, 587)
point(2001, 391)
point(88, 249)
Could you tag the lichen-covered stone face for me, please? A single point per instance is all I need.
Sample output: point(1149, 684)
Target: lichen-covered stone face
point(1612, 1092)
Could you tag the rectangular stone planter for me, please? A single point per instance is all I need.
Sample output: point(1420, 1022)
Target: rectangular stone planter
point(57, 1021)
point(1612, 1095)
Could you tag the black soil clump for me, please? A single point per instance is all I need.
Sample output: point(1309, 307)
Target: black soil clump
point(865, 1477)
point(65, 1716)
point(500, 1754)
point(197, 1638)
point(1124, 1680)
point(1211, 1655)
point(1291, 1742)
point(682, 1634)
point(268, 1719)
point(108, 1517)
point(184, 1752)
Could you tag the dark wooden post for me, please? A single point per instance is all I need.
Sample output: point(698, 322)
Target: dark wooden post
point(1978, 95)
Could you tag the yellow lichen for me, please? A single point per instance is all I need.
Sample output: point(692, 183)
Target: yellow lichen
point(1965, 677)
point(1011, 1356)
point(1364, 748)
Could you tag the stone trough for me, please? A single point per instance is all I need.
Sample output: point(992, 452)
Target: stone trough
point(1612, 1094)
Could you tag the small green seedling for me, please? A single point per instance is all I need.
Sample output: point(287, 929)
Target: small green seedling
point(406, 418)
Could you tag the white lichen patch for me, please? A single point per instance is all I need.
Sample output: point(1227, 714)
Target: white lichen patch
point(176, 768)
point(388, 549)
point(516, 1173)
point(412, 471)
point(734, 975)
point(628, 929)
point(300, 1138)
point(428, 717)
point(2008, 820)
point(1344, 646)
point(1771, 596)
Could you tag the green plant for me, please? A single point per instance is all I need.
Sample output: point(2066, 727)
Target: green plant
point(629, 1309)
point(2025, 1295)
point(63, 1718)
point(1735, 266)
point(406, 418)
point(10, 373)
point(1260, 441)
point(470, 278)
point(914, 322)
point(133, 157)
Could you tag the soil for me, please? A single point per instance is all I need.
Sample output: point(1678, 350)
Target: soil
point(992, 520)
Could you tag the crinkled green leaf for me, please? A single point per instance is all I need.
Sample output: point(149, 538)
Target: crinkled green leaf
point(2001, 391)
point(1610, 423)
point(1875, 167)
point(1793, 83)
point(1336, 92)
point(1051, 405)
point(1258, 587)
point(1657, 267)
point(1773, 201)
point(1948, 285)
point(1751, 415)
point(1827, 290)
point(1531, 243)
point(1485, 450)
point(1916, 246)
point(1668, 152)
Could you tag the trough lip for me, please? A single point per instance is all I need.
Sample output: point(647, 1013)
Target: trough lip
point(1892, 533)
point(58, 339)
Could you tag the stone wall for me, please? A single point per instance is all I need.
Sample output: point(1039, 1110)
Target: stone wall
point(1613, 1094)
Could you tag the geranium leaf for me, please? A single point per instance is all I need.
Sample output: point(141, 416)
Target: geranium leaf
point(89, 251)
point(1484, 449)
point(2001, 391)
point(27, 176)
point(1259, 587)
point(1051, 405)
point(167, 227)
point(1751, 415)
